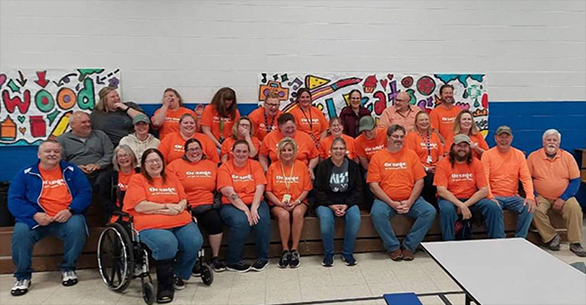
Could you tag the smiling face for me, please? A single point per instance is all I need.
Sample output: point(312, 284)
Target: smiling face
point(172, 99)
point(462, 151)
point(422, 122)
point(240, 153)
point(81, 125)
point(111, 99)
point(551, 144)
point(447, 95)
point(187, 126)
point(304, 99)
point(271, 106)
point(49, 153)
point(402, 101)
point(141, 128)
point(194, 152)
point(288, 129)
point(355, 99)
point(503, 141)
point(287, 153)
point(338, 150)
point(124, 159)
point(466, 122)
point(336, 128)
point(153, 164)
point(396, 140)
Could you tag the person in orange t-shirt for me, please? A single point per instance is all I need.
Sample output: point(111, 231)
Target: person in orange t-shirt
point(371, 140)
point(264, 119)
point(219, 116)
point(336, 130)
point(157, 202)
point(309, 118)
point(443, 116)
point(395, 176)
point(464, 124)
point(166, 118)
point(462, 188)
point(287, 186)
point(401, 113)
point(306, 150)
point(556, 178)
point(125, 166)
point(427, 144)
point(242, 130)
point(242, 184)
point(172, 147)
point(504, 167)
point(198, 175)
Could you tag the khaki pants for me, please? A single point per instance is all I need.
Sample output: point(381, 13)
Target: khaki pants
point(572, 213)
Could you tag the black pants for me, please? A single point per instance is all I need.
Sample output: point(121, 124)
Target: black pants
point(429, 190)
point(102, 187)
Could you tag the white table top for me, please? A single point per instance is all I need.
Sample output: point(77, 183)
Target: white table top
point(509, 271)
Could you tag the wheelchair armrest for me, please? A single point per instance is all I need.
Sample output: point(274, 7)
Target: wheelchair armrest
point(123, 215)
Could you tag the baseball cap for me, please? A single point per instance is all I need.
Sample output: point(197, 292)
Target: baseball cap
point(459, 138)
point(141, 118)
point(366, 123)
point(504, 129)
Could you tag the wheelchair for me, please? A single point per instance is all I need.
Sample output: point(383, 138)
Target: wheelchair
point(122, 257)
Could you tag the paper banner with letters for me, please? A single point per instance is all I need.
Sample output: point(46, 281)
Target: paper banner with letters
point(35, 105)
point(330, 91)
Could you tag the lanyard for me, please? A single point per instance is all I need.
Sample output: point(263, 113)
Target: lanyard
point(221, 130)
point(285, 180)
point(309, 119)
point(428, 144)
point(269, 128)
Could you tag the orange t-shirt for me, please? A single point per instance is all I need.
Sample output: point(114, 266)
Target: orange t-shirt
point(443, 119)
point(425, 147)
point(211, 118)
point(367, 148)
point(243, 179)
point(296, 176)
point(305, 146)
point(503, 172)
point(198, 179)
point(229, 142)
point(261, 126)
point(171, 123)
point(123, 180)
point(55, 195)
point(478, 139)
point(462, 180)
point(172, 147)
point(396, 173)
point(326, 143)
point(552, 176)
point(313, 122)
point(171, 191)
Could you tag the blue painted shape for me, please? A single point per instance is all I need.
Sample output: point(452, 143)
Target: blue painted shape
point(462, 78)
point(331, 108)
point(407, 298)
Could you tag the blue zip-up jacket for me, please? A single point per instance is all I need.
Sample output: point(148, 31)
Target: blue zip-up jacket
point(25, 191)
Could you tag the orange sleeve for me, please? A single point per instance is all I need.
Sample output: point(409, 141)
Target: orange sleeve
point(135, 193)
point(225, 148)
point(180, 190)
point(258, 173)
point(153, 125)
point(482, 142)
point(164, 147)
point(264, 147)
point(206, 116)
point(479, 174)
point(385, 119)
point(441, 173)
point(525, 177)
point(417, 167)
point(313, 152)
point(358, 148)
point(256, 143)
point(485, 159)
point(440, 146)
point(410, 141)
point(322, 149)
point(210, 150)
point(270, 178)
point(307, 186)
point(374, 169)
point(236, 117)
point(530, 163)
point(435, 123)
point(224, 177)
point(573, 169)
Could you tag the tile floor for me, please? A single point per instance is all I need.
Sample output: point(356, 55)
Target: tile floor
point(374, 275)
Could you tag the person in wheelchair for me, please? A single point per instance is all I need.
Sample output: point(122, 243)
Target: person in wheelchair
point(125, 165)
point(198, 176)
point(157, 203)
point(242, 184)
point(48, 198)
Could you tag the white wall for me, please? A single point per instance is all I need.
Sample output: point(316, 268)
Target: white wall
point(530, 50)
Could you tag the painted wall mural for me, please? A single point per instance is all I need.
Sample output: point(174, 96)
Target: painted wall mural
point(330, 92)
point(36, 104)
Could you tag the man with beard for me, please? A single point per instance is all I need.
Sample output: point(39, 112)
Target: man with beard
point(504, 167)
point(395, 175)
point(443, 116)
point(462, 188)
point(556, 178)
point(264, 119)
point(48, 198)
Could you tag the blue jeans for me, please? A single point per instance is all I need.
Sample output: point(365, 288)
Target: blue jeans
point(236, 220)
point(326, 227)
point(515, 204)
point(421, 210)
point(73, 233)
point(182, 243)
point(491, 212)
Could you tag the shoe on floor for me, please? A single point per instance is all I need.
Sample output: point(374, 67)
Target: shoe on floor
point(259, 265)
point(196, 271)
point(178, 283)
point(238, 267)
point(218, 265)
point(285, 259)
point(20, 287)
point(408, 255)
point(349, 260)
point(577, 249)
point(328, 261)
point(397, 255)
point(294, 262)
point(69, 278)
point(554, 243)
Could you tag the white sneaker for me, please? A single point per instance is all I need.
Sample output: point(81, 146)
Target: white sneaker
point(20, 287)
point(69, 278)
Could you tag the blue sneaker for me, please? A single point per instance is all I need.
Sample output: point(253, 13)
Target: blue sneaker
point(328, 261)
point(349, 260)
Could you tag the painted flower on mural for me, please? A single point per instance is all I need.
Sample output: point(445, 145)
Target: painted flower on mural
point(114, 82)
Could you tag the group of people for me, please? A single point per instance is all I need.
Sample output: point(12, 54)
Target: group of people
point(223, 169)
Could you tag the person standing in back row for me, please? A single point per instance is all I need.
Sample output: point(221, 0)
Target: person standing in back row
point(443, 116)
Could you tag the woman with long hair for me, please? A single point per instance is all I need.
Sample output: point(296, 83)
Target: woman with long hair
point(464, 124)
point(219, 116)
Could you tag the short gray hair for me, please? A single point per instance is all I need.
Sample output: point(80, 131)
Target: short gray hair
point(128, 151)
point(552, 132)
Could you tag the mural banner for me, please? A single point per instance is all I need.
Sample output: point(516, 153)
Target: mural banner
point(36, 104)
point(330, 92)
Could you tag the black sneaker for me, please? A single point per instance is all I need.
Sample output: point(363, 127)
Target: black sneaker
point(285, 259)
point(20, 287)
point(577, 249)
point(259, 265)
point(328, 261)
point(69, 278)
point(294, 261)
point(218, 265)
point(178, 284)
point(238, 267)
point(196, 271)
point(349, 260)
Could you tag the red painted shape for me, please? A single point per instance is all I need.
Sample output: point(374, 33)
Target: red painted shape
point(17, 101)
point(42, 81)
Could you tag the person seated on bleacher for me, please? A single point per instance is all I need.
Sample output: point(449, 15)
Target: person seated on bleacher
point(242, 130)
point(557, 179)
point(401, 113)
point(91, 150)
point(462, 187)
point(264, 118)
point(166, 118)
point(309, 118)
point(306, 149)
point(338, 191)
point(395, 176)
point(371, 140)
point(48, 198)
point(336, 131)
point(125, 165)
point(198, 176)
point(158, 202)
point(504, 167)
point(141, 139)
point(352, 114)
point(219, 116)
point(242, 183)
point(287, 187)
point(464, 124)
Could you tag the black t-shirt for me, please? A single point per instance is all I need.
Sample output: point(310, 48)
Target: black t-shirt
point(115, 124)
point(339, 177)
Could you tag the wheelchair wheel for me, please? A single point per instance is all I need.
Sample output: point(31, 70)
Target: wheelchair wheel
point(115, 257)
point(148, 293)
point(207, 276)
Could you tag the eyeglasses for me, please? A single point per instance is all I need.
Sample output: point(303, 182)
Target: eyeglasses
point(272, 105)
point(193, 149)
point(154, 161)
